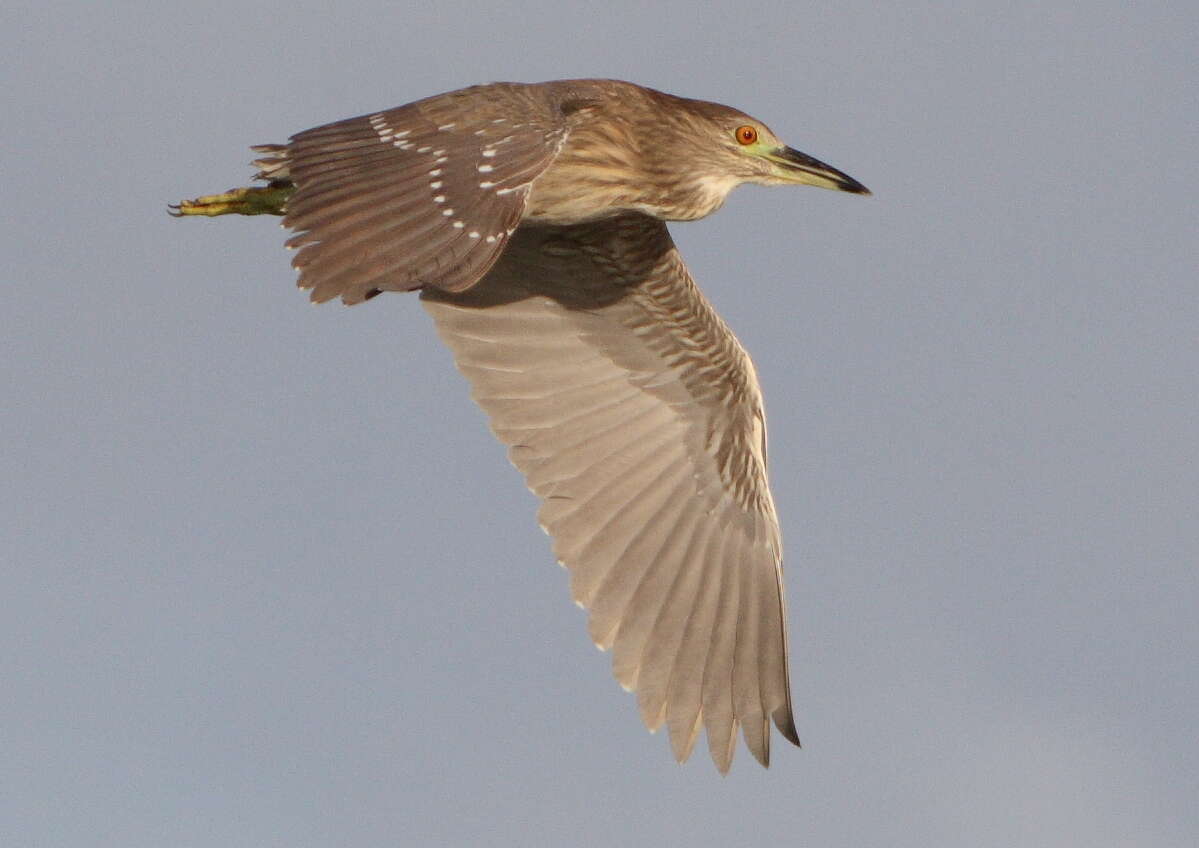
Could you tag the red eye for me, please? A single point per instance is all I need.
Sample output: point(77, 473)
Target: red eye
point(746, 134)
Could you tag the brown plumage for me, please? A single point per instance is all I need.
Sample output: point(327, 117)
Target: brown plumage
point(531, 219)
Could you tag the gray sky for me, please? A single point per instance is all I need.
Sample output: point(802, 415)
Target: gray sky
point(268, 580)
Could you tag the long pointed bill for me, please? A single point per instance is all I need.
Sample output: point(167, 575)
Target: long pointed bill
point(804, 169)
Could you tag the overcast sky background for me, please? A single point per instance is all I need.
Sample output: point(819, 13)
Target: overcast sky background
point(268, 580)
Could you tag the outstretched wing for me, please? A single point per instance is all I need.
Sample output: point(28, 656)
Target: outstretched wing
point(636, 417)
point(423, 195)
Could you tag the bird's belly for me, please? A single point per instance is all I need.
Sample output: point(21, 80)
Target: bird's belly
point(568, 208)
point(563, 196)
point(551, 202)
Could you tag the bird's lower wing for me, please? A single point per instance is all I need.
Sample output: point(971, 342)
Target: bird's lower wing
point(423, 195)
point(635, 416)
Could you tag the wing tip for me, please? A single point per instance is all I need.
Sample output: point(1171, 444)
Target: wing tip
point(785, 723)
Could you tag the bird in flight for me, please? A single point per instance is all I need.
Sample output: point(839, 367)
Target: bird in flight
point(531, 219)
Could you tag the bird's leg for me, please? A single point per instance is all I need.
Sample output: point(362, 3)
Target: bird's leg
point(258, 200)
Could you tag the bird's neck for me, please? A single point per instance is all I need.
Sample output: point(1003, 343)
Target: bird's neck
point(597, 177)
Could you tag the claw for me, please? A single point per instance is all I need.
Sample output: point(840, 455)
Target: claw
point(259, 200)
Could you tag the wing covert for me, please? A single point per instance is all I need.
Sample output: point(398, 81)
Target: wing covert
point(426, 194)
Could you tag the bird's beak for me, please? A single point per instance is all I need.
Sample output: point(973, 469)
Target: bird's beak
point(802, 168)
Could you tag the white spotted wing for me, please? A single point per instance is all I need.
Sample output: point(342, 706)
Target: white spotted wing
point(426, 194)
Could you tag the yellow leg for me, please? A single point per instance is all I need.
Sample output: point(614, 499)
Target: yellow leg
point(259, 200)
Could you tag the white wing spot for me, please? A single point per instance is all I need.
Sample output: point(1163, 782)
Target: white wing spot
point(448, 126)
point(424, 149)
point(403, 145)
point(498, 120)
point(440, 152)
point(485, 169)
point(491, 239)
point(436, 184)
point(439, 198)
point(459, 225)
point(447, 212)
point(379, 125)
point(441, 160)
point(473, 234)
point(486, 184)
point(436, 172)
point(489, 152)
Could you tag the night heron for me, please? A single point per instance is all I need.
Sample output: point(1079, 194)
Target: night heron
point(530, 217)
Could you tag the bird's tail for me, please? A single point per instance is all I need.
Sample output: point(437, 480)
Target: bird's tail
point(270, 199)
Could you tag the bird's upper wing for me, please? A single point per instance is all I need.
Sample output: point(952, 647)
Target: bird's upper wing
point(425, 194)
point(636, 417)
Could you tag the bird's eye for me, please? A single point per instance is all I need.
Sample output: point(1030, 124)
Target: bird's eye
point(746, 134)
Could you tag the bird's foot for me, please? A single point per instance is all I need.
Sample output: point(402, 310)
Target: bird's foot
point(259, 200)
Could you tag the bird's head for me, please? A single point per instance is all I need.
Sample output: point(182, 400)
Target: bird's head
point(715, 148)
point(677, 159)
point(747, 149)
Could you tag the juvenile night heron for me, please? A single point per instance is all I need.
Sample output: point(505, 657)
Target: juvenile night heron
point(530, 217)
